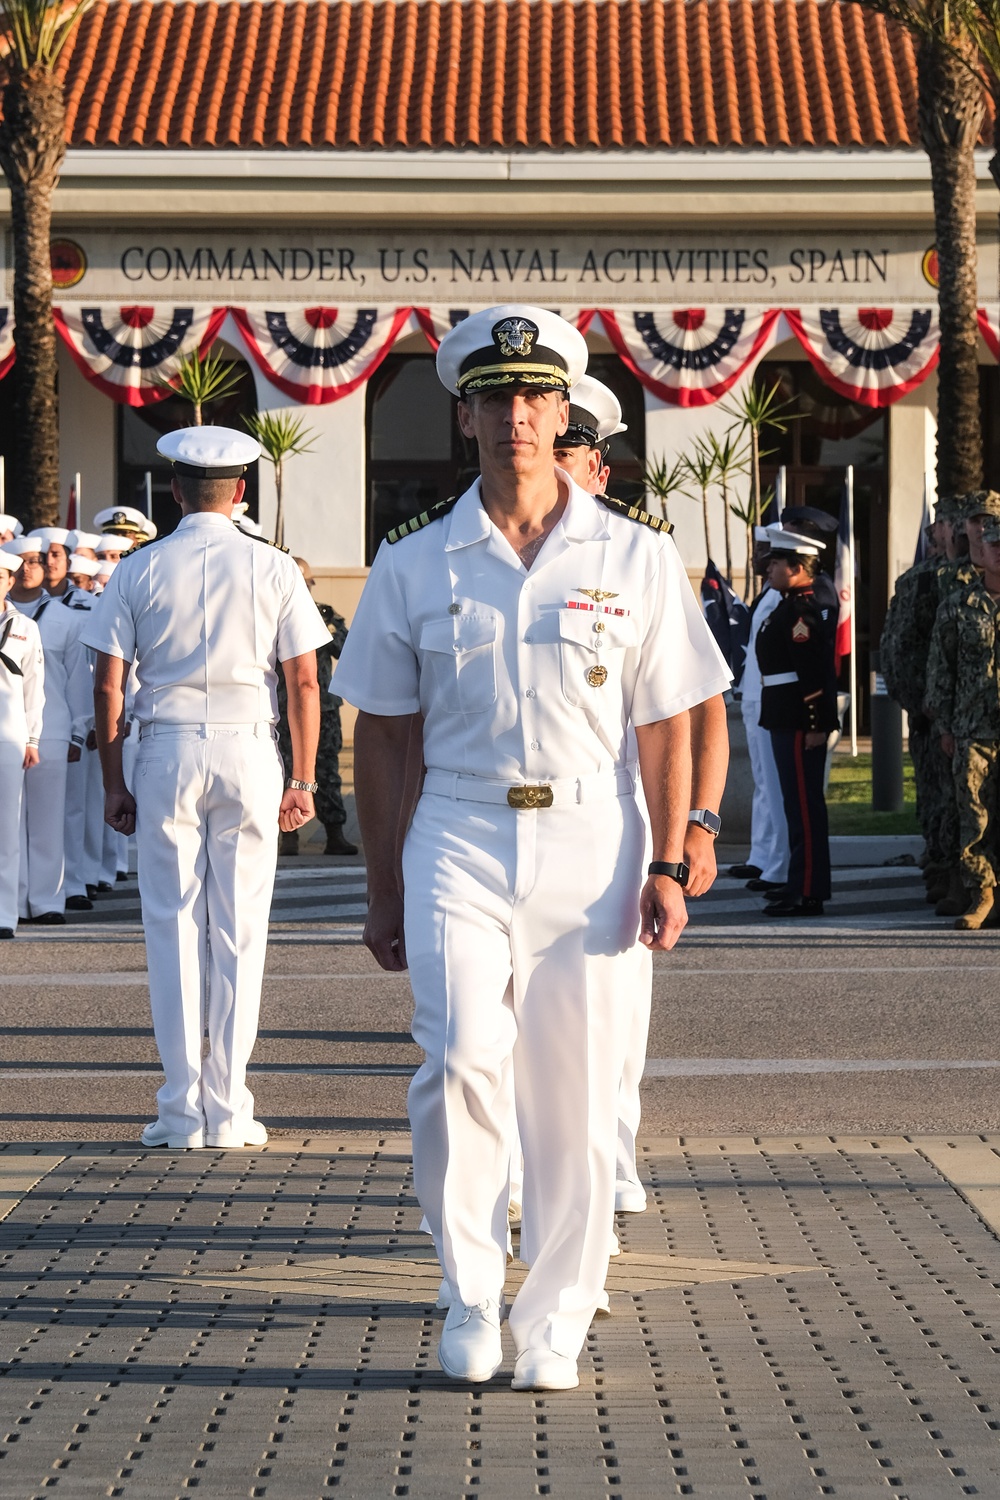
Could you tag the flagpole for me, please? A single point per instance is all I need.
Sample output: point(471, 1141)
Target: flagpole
point(854, 611)
point(149, 495)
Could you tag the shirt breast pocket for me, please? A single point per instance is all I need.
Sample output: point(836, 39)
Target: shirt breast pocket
point(591, 653)
point(459, 654)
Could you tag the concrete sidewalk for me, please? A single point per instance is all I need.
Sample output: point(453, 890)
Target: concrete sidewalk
point(791, 1317)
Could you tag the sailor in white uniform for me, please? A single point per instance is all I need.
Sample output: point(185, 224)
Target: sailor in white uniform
point(84, 794)
point(54, 545)
point(68, 707)
point(10, 527)
point(126, 523)
point(205, 613)
point(768, 827)
point(83, 543)
point(530, 625)
point(22, 700)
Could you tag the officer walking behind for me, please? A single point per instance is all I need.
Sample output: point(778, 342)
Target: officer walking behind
point(206, 613)
point(795, 652)
point(530, 624)
point(22, 699)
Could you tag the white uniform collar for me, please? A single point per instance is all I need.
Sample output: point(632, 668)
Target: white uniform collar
point(203, 518)
point(583, 520)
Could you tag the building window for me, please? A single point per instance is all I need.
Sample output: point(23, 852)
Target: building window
point(139, 428)
point(417, 454)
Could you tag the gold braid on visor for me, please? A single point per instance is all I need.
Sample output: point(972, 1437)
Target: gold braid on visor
point(484, 377)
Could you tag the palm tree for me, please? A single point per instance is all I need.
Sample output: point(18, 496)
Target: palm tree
point(662, 481)
point(201, 378)
point(281, 436)
point(950, 108)
point(700, 467)
point(731, 457)
point(752, 410)
point(32, 146)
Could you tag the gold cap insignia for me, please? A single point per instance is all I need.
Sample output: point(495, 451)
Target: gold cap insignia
point(515, 337)
point(597, 676)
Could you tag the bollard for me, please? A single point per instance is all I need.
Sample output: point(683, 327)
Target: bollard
point(887, 746)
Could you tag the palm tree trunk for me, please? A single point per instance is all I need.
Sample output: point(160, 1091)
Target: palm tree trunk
point(950, 113)
point(725, 532)
point(32, 146)
point(279, 519)
point(704, 516)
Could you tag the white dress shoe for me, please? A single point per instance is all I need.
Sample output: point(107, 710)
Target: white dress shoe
point(444, 1300)
point(544, 1370)
point(630, 1198)
point(603, 1308)
point(157, 1134)
point(470, 1347)
point(253, 1133)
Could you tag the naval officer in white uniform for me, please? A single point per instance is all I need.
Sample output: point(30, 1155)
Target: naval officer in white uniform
point(530, 625)
point(22, 700)
point(206, 613)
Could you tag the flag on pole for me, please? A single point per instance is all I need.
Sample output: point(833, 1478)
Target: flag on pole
point(727, 616)
point(926, 519)
point(844, 580)
point(71, 516)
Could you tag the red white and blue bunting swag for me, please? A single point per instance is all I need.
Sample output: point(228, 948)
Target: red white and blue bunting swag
point(689, 356)
point(871, 355)
point(128, 352)
point(319, 354)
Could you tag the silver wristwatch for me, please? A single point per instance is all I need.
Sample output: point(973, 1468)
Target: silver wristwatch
point(301, 786)
point(710, 821)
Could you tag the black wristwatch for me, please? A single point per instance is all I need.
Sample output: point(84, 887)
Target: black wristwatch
point(673, 869)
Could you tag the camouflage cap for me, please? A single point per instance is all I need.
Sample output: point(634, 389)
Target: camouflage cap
point(991, 528)
point(980, 503)
point(947, 508)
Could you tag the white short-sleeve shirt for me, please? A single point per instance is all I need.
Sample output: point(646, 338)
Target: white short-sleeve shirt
point(205, 613)
point(522, 674)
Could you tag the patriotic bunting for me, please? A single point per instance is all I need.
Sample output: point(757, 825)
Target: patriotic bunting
point(689, 356)
point(319, 354)
point(435, 322)
point(871, 355)
point(123, 350)
point(989, 327)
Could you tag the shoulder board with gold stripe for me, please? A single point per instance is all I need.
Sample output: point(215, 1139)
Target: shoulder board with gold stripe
point(417, 523)
point(636, 513)
point(265, 539)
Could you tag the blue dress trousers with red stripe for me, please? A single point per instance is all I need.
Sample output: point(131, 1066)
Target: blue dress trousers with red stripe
point(796, 643)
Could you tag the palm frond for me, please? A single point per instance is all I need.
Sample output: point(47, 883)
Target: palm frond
point(35, 31)
point(202, 379)
point(280, 434)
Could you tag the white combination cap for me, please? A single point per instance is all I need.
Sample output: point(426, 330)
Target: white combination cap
point(9, 559)
point(209, 452)
point(10, 523)
point(509, 346)
point(120, 520)
point(111, 542)
point(148, 529)
point(83, 539)
point(22, 544)
point(88, 565)
point(47, 534)
point(595, 414)
point(780, 540)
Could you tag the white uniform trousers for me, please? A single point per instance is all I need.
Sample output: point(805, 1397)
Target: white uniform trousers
point(636, 997)
point(516, 927)
point(43, 832)
point(207, 803)
point(768, 829)
point(77, 794)
point(11, 785)
point(109, 855)
point(94, 826)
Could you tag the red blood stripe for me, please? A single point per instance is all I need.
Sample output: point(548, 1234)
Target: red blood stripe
point(800, 776)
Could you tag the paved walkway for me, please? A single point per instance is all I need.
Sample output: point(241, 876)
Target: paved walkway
point(791, 1317)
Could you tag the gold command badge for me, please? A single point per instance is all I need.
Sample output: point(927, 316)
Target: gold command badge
point(597, 676)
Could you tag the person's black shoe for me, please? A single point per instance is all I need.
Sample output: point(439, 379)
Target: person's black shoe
point(775, 887)
point(48, 919)
point(121, 875)
point(744, 872)
point(92, 891)
point(805, 906)
point(337, 844)
point(6, 932)
point(79, 903)
point(103, 887)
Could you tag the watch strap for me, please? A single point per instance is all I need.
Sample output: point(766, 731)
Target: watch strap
point(673, 869)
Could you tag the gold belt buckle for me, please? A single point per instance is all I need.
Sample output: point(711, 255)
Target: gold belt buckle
point(529, 796)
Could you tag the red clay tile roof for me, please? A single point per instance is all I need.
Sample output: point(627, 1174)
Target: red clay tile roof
point(489, 74)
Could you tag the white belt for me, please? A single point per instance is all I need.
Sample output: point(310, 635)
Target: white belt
point(263, 729)
point(779, 679)
point(564, 790)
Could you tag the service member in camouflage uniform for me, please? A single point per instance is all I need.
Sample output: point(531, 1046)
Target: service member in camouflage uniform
point(963, 693)
point(329, 799)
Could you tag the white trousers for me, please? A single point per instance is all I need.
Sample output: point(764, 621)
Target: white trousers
point(93, 838)
point(517, 924)
point(11, 786)
point(207, 833)
point(636, 996)
point(43, 832)
point(77, 795)
point(768, 829)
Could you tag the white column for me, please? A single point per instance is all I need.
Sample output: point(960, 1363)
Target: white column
point(88, 441)
point(912, 432)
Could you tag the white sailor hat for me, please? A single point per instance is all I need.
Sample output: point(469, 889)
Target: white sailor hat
point(595, 414)
point(209, 452)
point(509, 346)
point(112, 542)
point(120, 520)
point(240, 509)
point(22, 544)
point(248, 525)
point(779, 539)
point(9, 559)
point(88, 565)
point(10, 523)
point(105, 568)
point(47, 534)
point(82, 539)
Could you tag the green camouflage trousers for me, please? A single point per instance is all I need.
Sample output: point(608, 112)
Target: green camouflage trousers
point(976, 768)
point(330, 808)
point(937, 810)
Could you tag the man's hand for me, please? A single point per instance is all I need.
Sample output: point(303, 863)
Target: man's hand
point(74, 753)
point(699, 856)
point(383, 933)
point(814, 738)
point(119, 811)
point(947, 743)
point(30, 757)
point(92, 738)
point(663, 913)
point(296, 808)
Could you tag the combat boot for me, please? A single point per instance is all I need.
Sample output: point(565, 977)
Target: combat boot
point(957, 899)
point(979, 910)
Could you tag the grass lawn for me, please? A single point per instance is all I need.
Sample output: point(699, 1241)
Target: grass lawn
point(849, 798)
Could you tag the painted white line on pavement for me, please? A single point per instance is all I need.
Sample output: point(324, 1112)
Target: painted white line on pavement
point(736, 1067)
point(139, 978)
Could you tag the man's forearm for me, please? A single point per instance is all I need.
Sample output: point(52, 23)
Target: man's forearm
point(381, 757)
point(109, 719)
point(709, 753)
point(665, 766)
point(303, 715)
